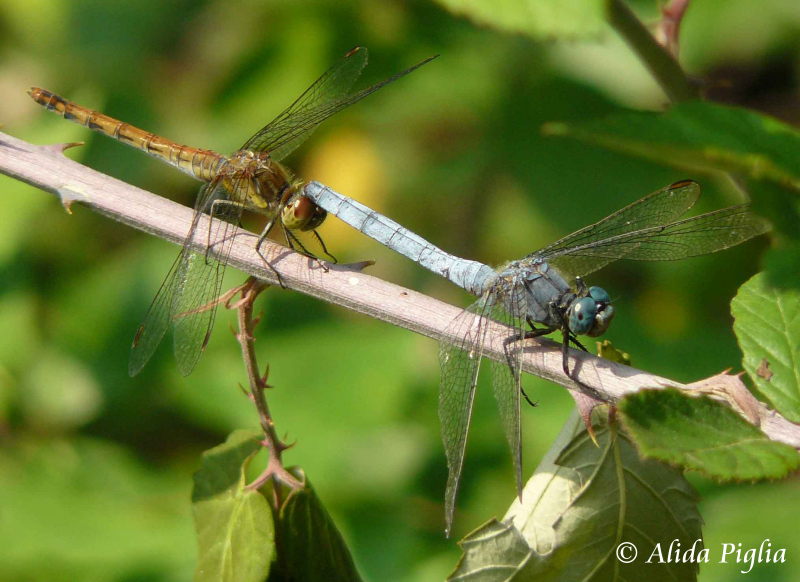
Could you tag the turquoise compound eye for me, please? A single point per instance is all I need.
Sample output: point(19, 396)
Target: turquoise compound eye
point(581, 315)
point(599, 295)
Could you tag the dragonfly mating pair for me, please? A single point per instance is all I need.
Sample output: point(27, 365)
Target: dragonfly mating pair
point(544, 288)
point(251, 178)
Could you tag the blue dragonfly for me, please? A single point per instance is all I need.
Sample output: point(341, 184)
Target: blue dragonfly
point(540, 293)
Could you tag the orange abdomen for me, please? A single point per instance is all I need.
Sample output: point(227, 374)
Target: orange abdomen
point(202, 164)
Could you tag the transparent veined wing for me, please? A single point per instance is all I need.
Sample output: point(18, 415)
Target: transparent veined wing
point(193, 281)
point(507, 374)
point(155, 324)
point(194, 305)
point(656, 209)
point(691, 237)
point(288, 130)
point(325, 97)
point(460, 353)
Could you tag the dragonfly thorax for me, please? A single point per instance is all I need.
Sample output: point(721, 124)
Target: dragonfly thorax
point(256, 180)
point(534, 291)
point(266, 186)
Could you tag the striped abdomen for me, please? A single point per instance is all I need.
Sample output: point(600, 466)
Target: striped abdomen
point(202, 164)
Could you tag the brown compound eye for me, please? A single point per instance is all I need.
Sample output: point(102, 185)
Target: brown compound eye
point(302, 214)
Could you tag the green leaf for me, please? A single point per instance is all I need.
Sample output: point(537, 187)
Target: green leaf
point(540, 19)
point(704, 435)
point(577, 510)
point(608, 352)
point(496, 551)
point(699, 134)
point(235, 527)
point(312, 546)
point(767, 325)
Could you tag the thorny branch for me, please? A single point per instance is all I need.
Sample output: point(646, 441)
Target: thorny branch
point(47, 168)
point(257, 385)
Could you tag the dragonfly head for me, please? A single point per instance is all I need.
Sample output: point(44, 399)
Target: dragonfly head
point(605, 311)
point(300, 213)
point(591, 315)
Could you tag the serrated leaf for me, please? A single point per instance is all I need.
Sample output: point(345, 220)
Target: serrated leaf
point(495, 552)
point(767, 326)
point(235, 528)
point(548, 491)
point(312, 546)
point(704, 435)
point(540, 19)
point(624, 498)
point(729, 389)
point(699, 134)
point(598, 498)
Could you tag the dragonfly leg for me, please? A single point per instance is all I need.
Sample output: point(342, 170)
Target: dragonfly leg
point(324, 248)
point(261, 238)
point(575, 341)
point(264, 234)
point(568, 336)
point(294, 243)
point(535, 332)
point(510, 364)
point(565, 356)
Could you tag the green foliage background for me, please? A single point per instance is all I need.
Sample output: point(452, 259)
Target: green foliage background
point(95, 467)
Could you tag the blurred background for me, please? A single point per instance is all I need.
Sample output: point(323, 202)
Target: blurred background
point(95, 467)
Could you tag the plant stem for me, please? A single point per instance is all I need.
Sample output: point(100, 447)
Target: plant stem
point(658, 60)
point(47, 168)
point(258, 384)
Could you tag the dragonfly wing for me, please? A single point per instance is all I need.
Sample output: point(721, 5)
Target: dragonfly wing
point(327, 96)
point(155, 322)
point(695, 236)
point(699, 235)
point(460, 352)
point(195, 309)
point(194, 304)
point(159, 316)
point(284, 133)
point(656, 209)
point(507, 379)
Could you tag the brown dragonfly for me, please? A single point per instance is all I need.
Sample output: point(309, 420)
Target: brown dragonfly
point(249, 179)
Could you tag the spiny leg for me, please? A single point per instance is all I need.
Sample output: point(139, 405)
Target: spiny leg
point(294, 243)
point(324, 248)
point(573, 338)
point(565, 354)
point(535, 332)
point(510, 364)
point(570, 337)
point(567, 337)
point(261, 238)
